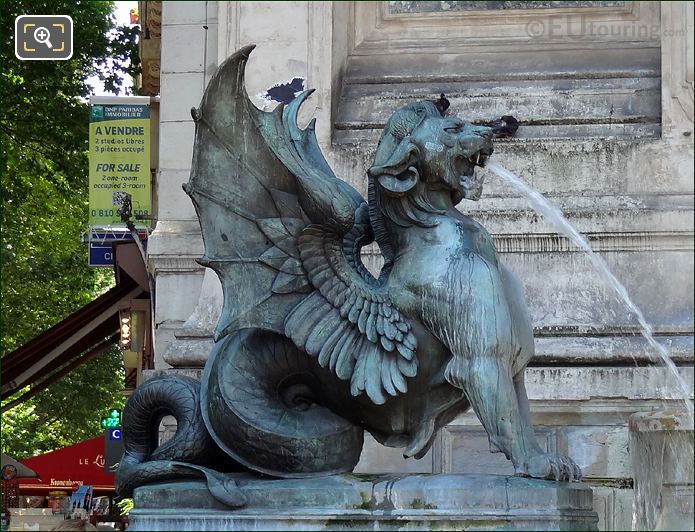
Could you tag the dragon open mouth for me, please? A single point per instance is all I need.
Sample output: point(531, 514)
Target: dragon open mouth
point(465, 166)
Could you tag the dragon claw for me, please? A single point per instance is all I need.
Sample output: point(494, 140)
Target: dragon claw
point(552, 466)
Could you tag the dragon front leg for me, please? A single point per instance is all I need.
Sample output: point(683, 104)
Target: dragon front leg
point(501, 404)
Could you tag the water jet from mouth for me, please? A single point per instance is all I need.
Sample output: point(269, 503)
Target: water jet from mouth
point(554, 215)
point(648, 462)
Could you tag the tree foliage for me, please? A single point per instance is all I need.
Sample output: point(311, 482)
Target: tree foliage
point(68, 411)
point(44, 133)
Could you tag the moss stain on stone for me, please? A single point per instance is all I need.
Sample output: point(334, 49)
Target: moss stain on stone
point(368, 502)
point(419, 504)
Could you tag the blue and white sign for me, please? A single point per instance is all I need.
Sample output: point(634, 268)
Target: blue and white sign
point(101, 246)
point(100, 255)
point(115, 434)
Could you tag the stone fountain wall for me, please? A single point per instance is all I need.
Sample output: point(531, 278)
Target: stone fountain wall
point(607, 133)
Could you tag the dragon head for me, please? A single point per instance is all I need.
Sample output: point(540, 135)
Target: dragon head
point(422, 150)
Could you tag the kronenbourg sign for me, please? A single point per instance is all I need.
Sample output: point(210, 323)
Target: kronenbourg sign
point(119, 161)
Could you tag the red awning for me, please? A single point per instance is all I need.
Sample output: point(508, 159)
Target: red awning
point(61, 470)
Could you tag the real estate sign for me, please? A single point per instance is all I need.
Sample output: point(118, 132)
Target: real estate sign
point(119, 162)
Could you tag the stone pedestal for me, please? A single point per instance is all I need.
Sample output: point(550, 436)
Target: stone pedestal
point(661, 445)
point(355, 502)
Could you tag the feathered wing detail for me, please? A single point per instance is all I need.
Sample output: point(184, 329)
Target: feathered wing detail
point(284, 235)
point(350, 324)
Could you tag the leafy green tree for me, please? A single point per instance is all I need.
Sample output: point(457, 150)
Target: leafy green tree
point(44, 135)
point(68, 411)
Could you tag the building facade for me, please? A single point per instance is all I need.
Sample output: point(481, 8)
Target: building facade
point(604, 95)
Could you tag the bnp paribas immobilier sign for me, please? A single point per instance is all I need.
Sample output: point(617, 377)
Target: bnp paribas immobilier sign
point(119, 160)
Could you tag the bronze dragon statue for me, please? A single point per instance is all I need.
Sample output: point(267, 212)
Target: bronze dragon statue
point(311, 348)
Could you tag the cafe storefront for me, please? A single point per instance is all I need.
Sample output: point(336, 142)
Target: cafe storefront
point(69, 480)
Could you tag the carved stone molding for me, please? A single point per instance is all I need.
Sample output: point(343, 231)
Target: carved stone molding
point(378, 31)
point(150, 46)
point(599, 241)
point(589, 71)
point(152, 20)
point(635, 241)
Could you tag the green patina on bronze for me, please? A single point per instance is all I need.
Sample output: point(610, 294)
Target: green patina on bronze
point(311, 348)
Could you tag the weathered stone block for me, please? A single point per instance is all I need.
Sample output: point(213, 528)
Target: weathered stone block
point(353, 502)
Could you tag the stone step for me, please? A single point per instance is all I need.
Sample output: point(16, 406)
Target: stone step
point(605, 102)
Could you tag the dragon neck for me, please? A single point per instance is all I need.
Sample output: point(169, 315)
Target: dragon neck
point(378, 223)
point(390, 216)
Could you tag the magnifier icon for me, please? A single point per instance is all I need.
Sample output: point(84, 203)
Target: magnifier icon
point(42, 35)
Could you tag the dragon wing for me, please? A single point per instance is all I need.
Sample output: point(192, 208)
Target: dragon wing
point(246, 201)
point(284, 235)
